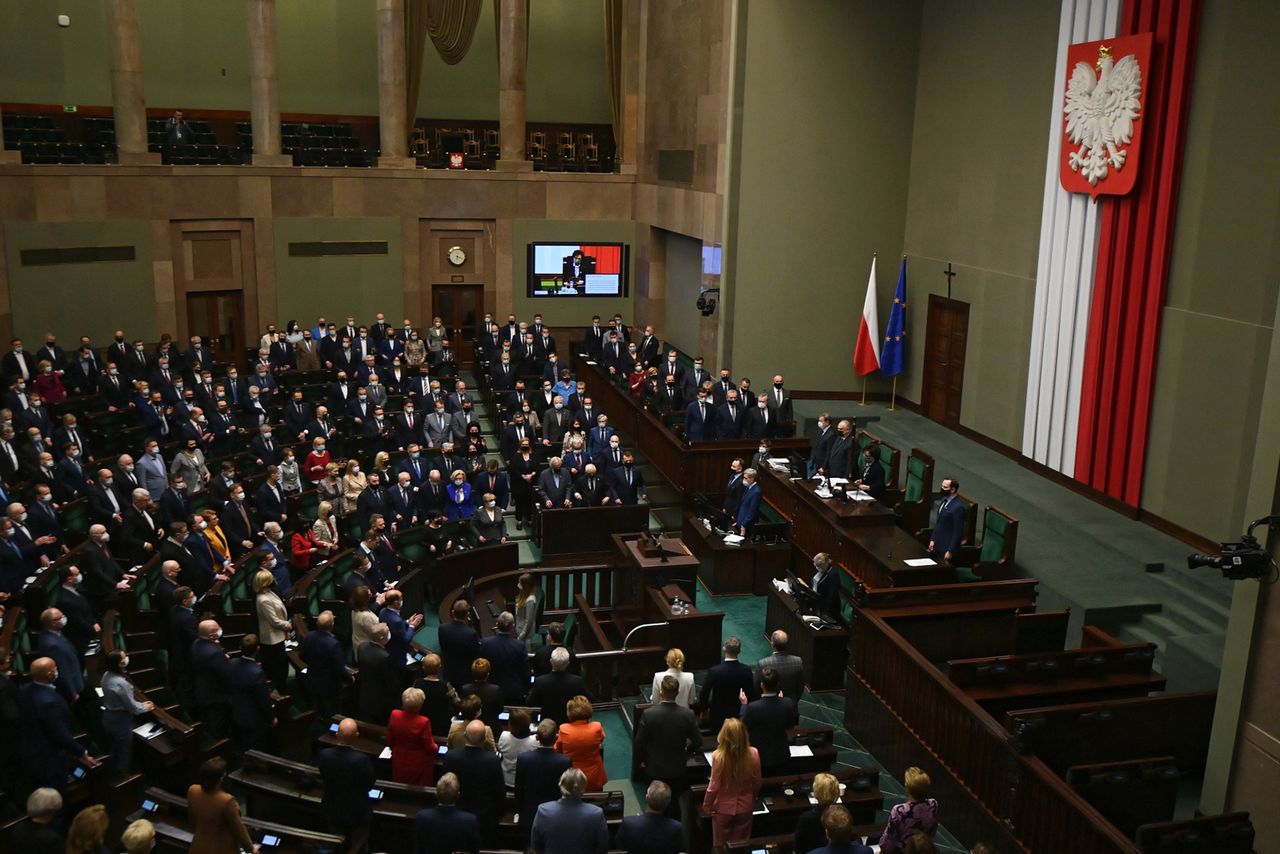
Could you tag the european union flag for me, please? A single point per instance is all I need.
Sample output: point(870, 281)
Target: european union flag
point(893, 353)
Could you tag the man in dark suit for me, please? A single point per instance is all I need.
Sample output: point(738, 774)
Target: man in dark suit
point(508, 659)
point(591, 489)
point(250, 692)
point(870, 474)
point(380, 681)
point(578, 266)
point(51, 642)
point(826, 584)
point(347, 776)
point(733, 489)
point(445, 829)
point(459, 645)
point(767, 720)
point(839, 461)
point(538, 775)
point(595, 337)
point(183, 633)
point(723, 685)
point(760, 422)
point(553, 486)
point(667, 736)
point(326, 667)
point(209, 670)
point(749, 506)
point(627, 481)
point(697, 420)
point(948, 530)
point(652, 832)
point(790, 668)
point(47, 742)
point(479, 772)
point(400, 629)
point(81, 626)
point(542, 657)
point(551, 692)
point(822, 444)
point(731, 417)
point(271, 506)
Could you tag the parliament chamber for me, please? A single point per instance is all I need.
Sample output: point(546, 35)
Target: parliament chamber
point(429, 427)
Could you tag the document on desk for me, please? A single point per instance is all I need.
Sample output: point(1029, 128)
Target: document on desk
point(921, 561)
point(859, 495)
point(798, 750)
point(733, 540)
point(385, 754)
point(837, 481)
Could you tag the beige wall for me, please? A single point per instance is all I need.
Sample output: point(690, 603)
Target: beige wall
point(335, 285)
point(810, 212)
point(684, 277)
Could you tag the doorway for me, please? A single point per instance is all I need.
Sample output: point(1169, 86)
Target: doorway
point(218, 318)
point(946, 335)
point(459, 307)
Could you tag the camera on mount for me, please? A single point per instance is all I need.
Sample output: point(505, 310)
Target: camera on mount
point(1240, 561)
point(706, 301)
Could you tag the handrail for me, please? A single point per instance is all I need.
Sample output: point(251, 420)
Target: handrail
point(627, 639)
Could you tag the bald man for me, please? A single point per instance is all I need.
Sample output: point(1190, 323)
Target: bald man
point(47, 742)
point(326, 667)
point(479, 771)
point(209, 668)
point(347, 776)
point(790, 668)
point(51, 643)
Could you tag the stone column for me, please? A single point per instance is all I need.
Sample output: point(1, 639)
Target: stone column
point(8, 157)
point(393, 130)
point(264, 106)
point(127, 104)
point(513, 59)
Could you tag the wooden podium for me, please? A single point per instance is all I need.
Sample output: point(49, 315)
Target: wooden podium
point(638, 570)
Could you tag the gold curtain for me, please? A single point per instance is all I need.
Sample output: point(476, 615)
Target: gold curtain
point(613, 63)
point(450, 24)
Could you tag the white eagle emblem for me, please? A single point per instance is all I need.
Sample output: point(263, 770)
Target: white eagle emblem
point(1100, 113)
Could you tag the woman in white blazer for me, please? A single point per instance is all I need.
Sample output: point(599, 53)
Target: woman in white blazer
point(675, 667)
point(273, 628)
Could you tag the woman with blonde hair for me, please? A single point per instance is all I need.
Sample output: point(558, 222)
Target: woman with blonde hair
point(217, 538)
point(918, 814)
point(318, 458)
point(139, 837)
point(273, 628)
point(330, 488)
point(413, 749)
point(809, 831)
point(675, 667)
point(735, 783)
point(582, 740)
point(382, 467)
point(88, 830)
point(354, 482)
point(324, 531)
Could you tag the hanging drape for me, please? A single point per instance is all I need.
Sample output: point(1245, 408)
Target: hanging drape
point(613, 63)
point(450, 24)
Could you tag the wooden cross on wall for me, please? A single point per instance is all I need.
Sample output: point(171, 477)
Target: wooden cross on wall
point(950, 274)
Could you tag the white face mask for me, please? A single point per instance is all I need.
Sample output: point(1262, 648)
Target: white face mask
point(124, 662)
point(106, 538)
point(763, 449)
point(217, 635)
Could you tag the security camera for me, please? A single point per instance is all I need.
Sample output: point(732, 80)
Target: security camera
point(706, 303)
point(1241, 560)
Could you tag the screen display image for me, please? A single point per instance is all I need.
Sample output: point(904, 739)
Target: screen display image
point(578, 269)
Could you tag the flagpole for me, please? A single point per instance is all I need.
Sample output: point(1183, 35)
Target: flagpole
point(864, 391)
point(894, 397)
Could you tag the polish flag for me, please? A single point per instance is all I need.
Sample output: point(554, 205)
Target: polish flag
point(866, 355)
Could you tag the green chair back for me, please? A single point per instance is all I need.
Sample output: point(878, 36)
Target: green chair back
point(995, 529)
point(21, 651)
point(199, 502)
point(411, 545)
point(846, 587)
point(75, 517)
point(570, 628)
point(913, 489)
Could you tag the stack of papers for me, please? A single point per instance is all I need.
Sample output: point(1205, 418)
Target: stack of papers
point(921, 561)
point(801, 750)
point(733, 540)
point(859, 495)
point(149, 730)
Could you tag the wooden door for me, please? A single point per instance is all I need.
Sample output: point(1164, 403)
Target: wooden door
point(218, 318)
point(946, 334)
point(459, 307)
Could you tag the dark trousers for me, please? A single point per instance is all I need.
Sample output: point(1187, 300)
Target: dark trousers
point(275, 663)
point(119, 729)
point(216, 718)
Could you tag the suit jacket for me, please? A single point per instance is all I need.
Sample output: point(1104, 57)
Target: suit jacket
point(828, 590)
point(79, 613)
point(749, 508)
point(719, 696)
point(733, 495)
point(571, 826)
point(627, 493)
point(459, 646)
point(379, 683)
point(46, 738)
point(326, 665)
point(306, 354)
point(538, 782)
point(822, 447)
point(250, 692)
point(598, 443)
point(401, 636)
point(594, 490)
point(209, 666)
point(217, 823)
point(483, 790)
point(948, 530)
point(492, 529)
point(70, 683)
point(649, 833)
point(757, 425)
point(871, 475)
point(767, 720)
point(697, 428)
point(668, 734)
point(790, 669)
point(347, 775)
point(840, 457)
point(729, 424)
point(548, 490)
point(271, 505)
point(445, 830)
point(508, 665)
point(553, 691)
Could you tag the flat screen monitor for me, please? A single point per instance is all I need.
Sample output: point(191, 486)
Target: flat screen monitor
point(578, 269)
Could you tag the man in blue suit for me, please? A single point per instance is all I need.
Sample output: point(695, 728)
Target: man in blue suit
point(599, 436)
point(508, 659)
point(948, 530)
point(46, 738)
point(326, 667)
point(538, 775)
point(445, 829)
point(52, 644)
point(569, 825)
point(401, 630)
point(696, 426)
point(749, 508)
point(651, 832)
point(347, 777)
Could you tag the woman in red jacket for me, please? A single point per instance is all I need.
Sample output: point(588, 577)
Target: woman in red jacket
point(314, 465)
point(413, 749)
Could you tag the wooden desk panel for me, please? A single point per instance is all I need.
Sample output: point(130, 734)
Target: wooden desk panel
point(734, 570)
